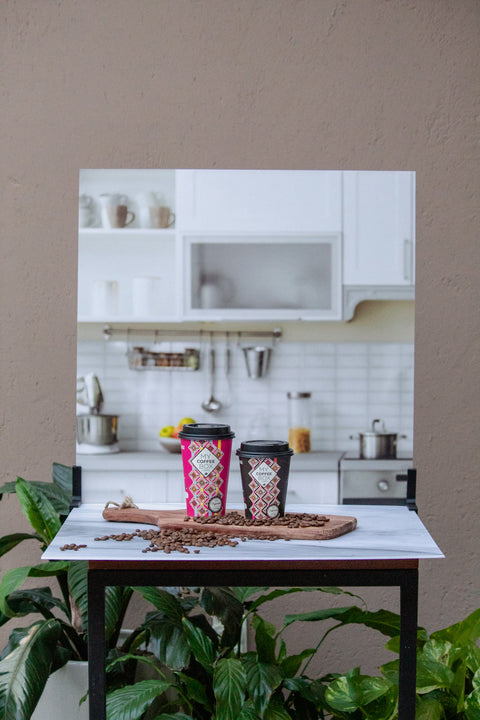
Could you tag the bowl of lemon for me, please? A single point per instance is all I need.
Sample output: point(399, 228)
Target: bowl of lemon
point(168, 435)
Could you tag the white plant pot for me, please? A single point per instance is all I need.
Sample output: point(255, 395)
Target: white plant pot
point(63, 692)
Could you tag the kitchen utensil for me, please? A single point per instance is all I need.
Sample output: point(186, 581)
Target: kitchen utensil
point(89, 393)
point(227, 370)
point(257, 360)
point(212, 404)
point(376, 444)
point(174, 520)
point(97, 429)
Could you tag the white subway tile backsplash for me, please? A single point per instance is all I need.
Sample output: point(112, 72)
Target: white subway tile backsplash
point(351, 384)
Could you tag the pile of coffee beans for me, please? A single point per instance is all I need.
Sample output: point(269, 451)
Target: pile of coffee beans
point(181, 539)
point(72, 546)
point(292, 520)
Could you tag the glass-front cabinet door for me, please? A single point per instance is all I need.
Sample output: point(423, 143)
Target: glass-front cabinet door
point(262, 276)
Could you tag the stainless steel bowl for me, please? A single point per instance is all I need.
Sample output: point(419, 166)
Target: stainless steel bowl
point(97, 429)
point(257, 360)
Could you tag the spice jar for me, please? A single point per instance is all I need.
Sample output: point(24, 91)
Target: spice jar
point(299, 421)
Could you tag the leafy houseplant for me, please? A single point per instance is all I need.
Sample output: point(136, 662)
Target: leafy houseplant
point(58, 634)
point(199, 669)
point(207, 676)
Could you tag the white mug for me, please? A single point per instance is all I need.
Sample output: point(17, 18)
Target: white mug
point(105, 297)
point(146, 296)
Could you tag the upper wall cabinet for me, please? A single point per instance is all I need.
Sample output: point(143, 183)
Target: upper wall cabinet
point(259, 201)
point(379, 228)
point(173, 245)
point(288, 276)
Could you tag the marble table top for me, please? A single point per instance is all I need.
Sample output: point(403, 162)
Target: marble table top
point(384, 532)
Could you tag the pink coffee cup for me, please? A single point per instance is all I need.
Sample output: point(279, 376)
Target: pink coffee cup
point(206, 451)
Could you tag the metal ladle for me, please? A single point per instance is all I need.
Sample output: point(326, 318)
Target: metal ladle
point(212, 404)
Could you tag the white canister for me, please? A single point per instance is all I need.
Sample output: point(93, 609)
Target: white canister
point(105, 297)
point(147, 296)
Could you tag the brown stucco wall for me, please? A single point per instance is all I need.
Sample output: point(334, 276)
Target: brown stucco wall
point(327, 84)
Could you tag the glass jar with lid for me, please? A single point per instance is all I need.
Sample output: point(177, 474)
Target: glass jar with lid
point(299, 421)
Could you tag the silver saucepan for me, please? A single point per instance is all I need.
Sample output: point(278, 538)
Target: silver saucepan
point(97, 429)
point(377, 445)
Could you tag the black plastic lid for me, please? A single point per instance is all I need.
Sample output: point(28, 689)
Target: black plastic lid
point(253, 448)
point(206, 431)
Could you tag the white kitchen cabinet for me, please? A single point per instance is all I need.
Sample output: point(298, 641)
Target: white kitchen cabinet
point(166, 485)
point(313, 487)
point(303, 487)
point(259, 201)
point(262, 276)
point(127, 275)
point(379, 228)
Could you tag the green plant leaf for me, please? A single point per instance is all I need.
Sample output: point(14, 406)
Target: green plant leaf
point(262, 680)
point(174, 716)
point(195, 690)
point(62, 476)
point(116, 601)
point(229, 685)
point(168, 641)
point(432, 675)
point(472, 701)
point(353, 691)
point(222, 603)
point(467, 630)
point(25, 670)
point(34, 600)
point(8, 542)
point(276, 710)
point(200, 644)
point(264, 639)
point(38, 510)
point(129, 702)
point(248, 712)
point(394, 643)
point(428, 708)
point(384, 621)
point(164, 601)
point(12, 579)
point(281, 592)
point(292, 663)
point(244, 593)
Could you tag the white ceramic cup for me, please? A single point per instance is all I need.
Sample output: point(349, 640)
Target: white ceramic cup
point(146, 296)
point(105, 297)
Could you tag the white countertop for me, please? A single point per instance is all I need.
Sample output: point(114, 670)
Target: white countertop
point(383, 532)
point(163, 460)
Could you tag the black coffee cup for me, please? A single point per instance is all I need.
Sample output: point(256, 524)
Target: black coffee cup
point(264, 467)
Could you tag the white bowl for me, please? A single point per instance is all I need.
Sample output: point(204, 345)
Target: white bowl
point(171, 445)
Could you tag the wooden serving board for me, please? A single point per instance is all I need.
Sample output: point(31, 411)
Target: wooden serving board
point(175, 520)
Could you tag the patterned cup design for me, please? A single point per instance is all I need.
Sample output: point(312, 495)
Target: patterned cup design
point(265, 483)
point(206, 465)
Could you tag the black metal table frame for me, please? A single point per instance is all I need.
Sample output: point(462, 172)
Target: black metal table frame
point(374, 573)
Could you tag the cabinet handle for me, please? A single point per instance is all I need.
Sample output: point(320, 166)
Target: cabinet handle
point(407, 260)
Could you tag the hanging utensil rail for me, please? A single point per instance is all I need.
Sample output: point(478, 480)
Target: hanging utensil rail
point(165, 334)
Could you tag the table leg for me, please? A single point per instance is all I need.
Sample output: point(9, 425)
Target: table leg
point(96, 645)
point(408, 645)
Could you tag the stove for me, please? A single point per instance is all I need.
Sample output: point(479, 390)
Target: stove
point(375, 482)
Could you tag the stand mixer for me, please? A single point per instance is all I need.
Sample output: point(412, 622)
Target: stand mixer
point(96, 432)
